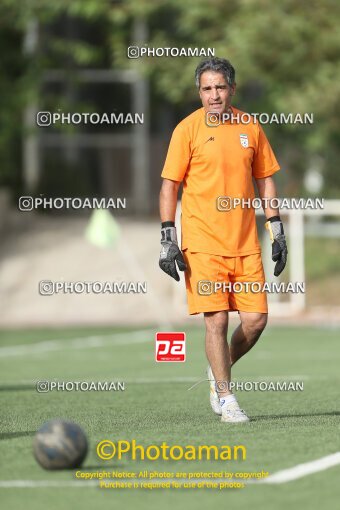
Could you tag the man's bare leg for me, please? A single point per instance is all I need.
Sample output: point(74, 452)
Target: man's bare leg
point(222, 401)
point(246, 334)
point(217, 348)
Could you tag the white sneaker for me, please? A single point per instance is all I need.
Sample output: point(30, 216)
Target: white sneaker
point(214, 400)
point(232, 413)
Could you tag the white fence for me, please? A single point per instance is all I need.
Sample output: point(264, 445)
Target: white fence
point(295, 229)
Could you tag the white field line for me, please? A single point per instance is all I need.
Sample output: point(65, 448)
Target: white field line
point(157, 380)
point(141, 380)
point(287, 475)
point(26, 484)
point(89, 342)
point(305, 469)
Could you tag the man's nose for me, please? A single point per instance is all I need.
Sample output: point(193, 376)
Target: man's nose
point(214, 93)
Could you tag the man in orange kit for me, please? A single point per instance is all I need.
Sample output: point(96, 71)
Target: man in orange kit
point(216, 155)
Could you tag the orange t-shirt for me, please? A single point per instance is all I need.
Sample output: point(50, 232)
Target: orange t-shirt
point(217, 162)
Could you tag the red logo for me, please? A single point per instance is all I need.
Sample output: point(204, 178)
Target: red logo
point(170, 346)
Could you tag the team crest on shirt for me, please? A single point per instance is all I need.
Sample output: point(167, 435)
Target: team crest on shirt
point(244, 140)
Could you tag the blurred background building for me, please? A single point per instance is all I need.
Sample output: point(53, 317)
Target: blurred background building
point(72, 57)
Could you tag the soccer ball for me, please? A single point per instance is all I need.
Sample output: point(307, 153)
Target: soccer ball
point(60, 444)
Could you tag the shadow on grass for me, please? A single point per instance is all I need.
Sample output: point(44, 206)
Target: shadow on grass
point(13, 435)
point(18, 387)
point(281, 416)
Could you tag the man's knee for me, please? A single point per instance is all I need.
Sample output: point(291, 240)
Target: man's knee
point(255, 323)
point(216, 322)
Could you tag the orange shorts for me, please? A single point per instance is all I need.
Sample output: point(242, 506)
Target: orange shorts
point(216, 283)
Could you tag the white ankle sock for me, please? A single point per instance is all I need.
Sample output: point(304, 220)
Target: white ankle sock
point(228, 399)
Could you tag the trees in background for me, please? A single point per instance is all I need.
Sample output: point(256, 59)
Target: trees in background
point(286, 55)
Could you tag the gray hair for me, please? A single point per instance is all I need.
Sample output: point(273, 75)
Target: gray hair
point(218, 65)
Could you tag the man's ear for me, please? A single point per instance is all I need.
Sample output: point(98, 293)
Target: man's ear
point(233, 89)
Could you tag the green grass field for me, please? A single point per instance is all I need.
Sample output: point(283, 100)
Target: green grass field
point(287, 428)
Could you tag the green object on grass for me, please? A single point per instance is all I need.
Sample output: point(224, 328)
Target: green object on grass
point(103, 230)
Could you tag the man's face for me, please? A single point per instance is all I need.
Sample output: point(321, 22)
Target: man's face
point(215, 93)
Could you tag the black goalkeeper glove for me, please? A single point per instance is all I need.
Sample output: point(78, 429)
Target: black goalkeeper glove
point(170, 252)
point(279, 246)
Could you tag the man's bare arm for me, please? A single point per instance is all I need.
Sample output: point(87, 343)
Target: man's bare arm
point(267, 189)
point(168, 200)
